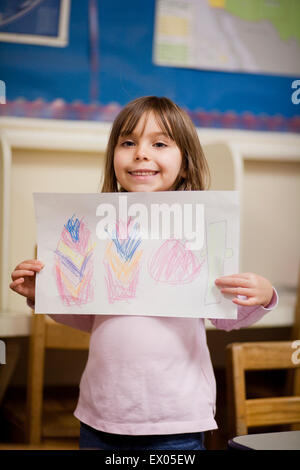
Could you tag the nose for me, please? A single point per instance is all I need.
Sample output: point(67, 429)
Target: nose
point(140, 153)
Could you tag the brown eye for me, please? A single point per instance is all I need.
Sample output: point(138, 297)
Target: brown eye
point(127, 143)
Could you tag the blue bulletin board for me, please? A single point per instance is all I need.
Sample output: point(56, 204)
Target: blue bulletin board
point(107, 63)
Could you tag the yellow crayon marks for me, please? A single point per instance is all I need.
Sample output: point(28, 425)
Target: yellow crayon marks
point(77, 258)
point(122, 269)
point(71, 288)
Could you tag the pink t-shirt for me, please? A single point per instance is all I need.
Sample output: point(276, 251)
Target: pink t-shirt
point(150, 375)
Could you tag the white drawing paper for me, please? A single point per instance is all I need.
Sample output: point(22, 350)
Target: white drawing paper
point(155, 254)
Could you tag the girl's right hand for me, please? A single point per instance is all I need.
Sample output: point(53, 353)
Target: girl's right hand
point(23, 277)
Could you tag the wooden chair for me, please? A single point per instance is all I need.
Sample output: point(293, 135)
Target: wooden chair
point(256, 412)
point(293, 378)
point(296, 324)
point(47, 417)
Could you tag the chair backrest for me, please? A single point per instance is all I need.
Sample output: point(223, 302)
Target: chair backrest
point(256, 412)
point(296, 325)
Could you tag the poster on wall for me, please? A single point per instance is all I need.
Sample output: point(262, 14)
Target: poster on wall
point(253, 36)
point(39, 22)
point(155, 254)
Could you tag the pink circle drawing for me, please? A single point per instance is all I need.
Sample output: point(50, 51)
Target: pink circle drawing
point(172, 263)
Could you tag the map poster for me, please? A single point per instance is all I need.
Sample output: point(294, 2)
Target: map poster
point(252, 36)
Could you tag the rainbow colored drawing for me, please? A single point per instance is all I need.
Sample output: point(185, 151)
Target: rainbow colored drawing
point(122, 261)
point(172, 263)
point(74, 263)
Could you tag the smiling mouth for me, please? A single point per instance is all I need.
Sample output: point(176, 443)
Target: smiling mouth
point(143, 173)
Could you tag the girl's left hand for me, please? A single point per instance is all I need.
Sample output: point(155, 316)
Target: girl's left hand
point(257, 288)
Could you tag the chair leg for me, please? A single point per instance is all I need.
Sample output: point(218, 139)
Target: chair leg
point(34, 399)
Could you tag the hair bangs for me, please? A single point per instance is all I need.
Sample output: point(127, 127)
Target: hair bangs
point(136, 113)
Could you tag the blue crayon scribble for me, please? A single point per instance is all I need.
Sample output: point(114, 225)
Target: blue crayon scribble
point(73, 228)
point(71, 266)
point(126, 248)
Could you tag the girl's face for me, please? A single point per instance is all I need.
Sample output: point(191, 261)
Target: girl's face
point(147, 160)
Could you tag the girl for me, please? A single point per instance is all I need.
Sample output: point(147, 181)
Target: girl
point(149, 382)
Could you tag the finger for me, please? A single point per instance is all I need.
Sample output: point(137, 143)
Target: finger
point(17, 281)
point(29, 267)
point(249, 302)
point(16, 284)
point(232, 275)
point(236, 291)
point(231, 281)
point(30, 262)
point(17, 274)
point(237, 276)
point(243, 275)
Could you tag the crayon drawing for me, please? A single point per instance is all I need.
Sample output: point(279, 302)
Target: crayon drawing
point(144, 253)
point(74, 263)
point(173, 264)
point(217, 253)
point(122, 261)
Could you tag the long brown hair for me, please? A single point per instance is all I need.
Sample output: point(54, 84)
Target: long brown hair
point(178, 125)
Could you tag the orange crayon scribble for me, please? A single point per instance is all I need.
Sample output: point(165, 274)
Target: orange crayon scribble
point(74, 263)
point(122, 261)
point(117, 290)
point(123, 270)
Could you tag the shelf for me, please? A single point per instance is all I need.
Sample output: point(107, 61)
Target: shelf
point(15, 324)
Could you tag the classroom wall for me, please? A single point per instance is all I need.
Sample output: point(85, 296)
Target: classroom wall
point(126, 71)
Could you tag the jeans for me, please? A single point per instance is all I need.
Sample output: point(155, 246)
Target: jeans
point(91, 438)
